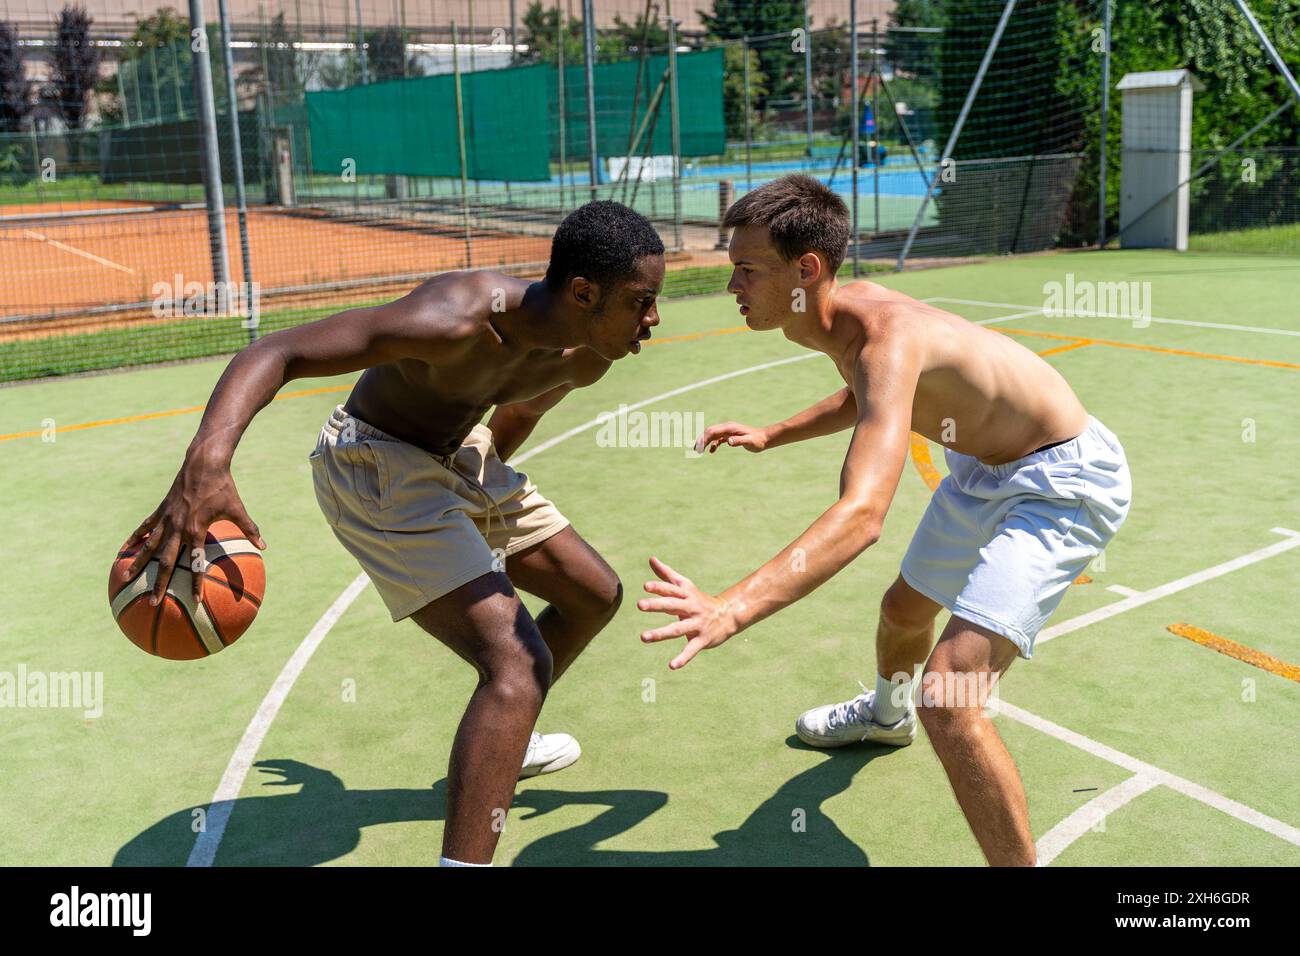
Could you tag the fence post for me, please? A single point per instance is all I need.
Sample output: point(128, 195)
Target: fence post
point(460, 136)
point(726, 190)
point(855, 120)
point(237, 160)
point(807, 77)
point(1105, 125)
point(210, 157)
point(749, 164)
point(589, 51)
point(676, 131)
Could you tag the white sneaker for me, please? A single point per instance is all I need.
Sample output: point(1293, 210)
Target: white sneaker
point(838, 725)
point(548, 753)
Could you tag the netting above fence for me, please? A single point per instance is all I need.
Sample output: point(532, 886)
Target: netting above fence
point(511, 119)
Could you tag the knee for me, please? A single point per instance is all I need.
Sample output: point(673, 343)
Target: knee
point(521, 675)
point(903, 608)
point(596, 603)
point(950, 702)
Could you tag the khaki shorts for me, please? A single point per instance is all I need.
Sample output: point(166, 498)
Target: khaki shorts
point(420, 524)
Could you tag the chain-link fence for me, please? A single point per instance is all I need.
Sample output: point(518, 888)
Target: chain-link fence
point(384, 141)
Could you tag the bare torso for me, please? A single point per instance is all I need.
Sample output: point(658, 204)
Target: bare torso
point(980, 392)
point(435, 406)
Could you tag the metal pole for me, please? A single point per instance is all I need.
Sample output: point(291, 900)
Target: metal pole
point(210, 158)
point(875, 116)
point(807, 76)
point(121, 95)
point(749, 162)
point(237, 156)
point(559, 57)
point(460, 136)
point(361, 46)
point(956, 130)
point(856, 120)
point(157, 97)
point(1105, 125)
point(676, 128)
point(589, 54)
point(514, 43)
point(1269, 48)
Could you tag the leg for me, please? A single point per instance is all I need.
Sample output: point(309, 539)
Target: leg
point(582, 590)
point(983, 775)
point(485, 623)
point(906, 630)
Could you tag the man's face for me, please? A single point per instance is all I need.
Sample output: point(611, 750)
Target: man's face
point(628, 310)
point(763, 283)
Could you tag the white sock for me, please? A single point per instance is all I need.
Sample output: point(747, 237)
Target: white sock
point(446, 861)
point(891, 700)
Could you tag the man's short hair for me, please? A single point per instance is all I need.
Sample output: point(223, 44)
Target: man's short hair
point(602, 242)
point(802, 216)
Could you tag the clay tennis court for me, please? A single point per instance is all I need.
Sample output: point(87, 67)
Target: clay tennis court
point(60, 266)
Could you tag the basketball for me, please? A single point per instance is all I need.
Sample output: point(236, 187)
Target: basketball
point(178, 628)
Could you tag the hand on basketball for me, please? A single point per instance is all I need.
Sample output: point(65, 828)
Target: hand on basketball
point(731, 433)
point(200, 495)
point(703, 619)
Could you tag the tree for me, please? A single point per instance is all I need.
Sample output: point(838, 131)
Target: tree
point(385, 51)
point(14, 104)
point(75, 61)
point(281, 58)
point(909, 51)
point(733, 90)
point(775, 19)
point(541, 26)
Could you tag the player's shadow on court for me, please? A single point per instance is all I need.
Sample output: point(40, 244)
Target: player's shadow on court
point(324, 821)
point(789, 828)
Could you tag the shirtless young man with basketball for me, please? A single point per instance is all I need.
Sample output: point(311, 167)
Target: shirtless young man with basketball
point(420, 494)
point(1037, 487)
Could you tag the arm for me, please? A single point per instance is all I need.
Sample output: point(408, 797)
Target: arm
point(832, 414)
point(512, 424)
point(885, 378)
point(204, 490)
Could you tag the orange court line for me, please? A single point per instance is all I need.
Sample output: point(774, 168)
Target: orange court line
point(1151, 348)
point(296, 394)
point(1240, 652)
point(171, 411)
point(1066, 348)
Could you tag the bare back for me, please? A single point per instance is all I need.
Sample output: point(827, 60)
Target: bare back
point(979, 392)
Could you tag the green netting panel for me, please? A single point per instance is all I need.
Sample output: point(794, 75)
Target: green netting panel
point(408, 127)
point(699, 88)
point(172, 152)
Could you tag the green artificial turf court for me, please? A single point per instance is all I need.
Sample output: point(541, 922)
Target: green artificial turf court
point(700, 766)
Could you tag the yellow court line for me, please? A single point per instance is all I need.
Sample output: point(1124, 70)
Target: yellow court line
point(1065, 348)
point(1240, 652)
point(692, 336)
point(166, 414)
point(1152, 348)
point(147, 416)
point(40, 237)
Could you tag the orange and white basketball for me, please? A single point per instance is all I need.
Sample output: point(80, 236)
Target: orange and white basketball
point(179, 628)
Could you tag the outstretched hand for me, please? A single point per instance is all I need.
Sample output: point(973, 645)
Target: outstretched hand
point(703, 619)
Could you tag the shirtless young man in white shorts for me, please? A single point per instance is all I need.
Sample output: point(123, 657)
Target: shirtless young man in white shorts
point(1037, 487)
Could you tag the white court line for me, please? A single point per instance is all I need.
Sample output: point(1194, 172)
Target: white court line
point(1125, 591)
point(1089, 815)
point(208, 842)
point(40, 237)
point(1173, 587)
point(241, 761)
point(1042, 310)
point(1211, 798)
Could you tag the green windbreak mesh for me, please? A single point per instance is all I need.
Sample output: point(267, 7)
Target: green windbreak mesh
point(699, 90)
point(408, 127)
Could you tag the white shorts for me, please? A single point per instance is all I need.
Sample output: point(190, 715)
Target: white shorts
point(999, 544)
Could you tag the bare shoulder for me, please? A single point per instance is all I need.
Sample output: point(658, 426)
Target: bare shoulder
point(452, 308)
